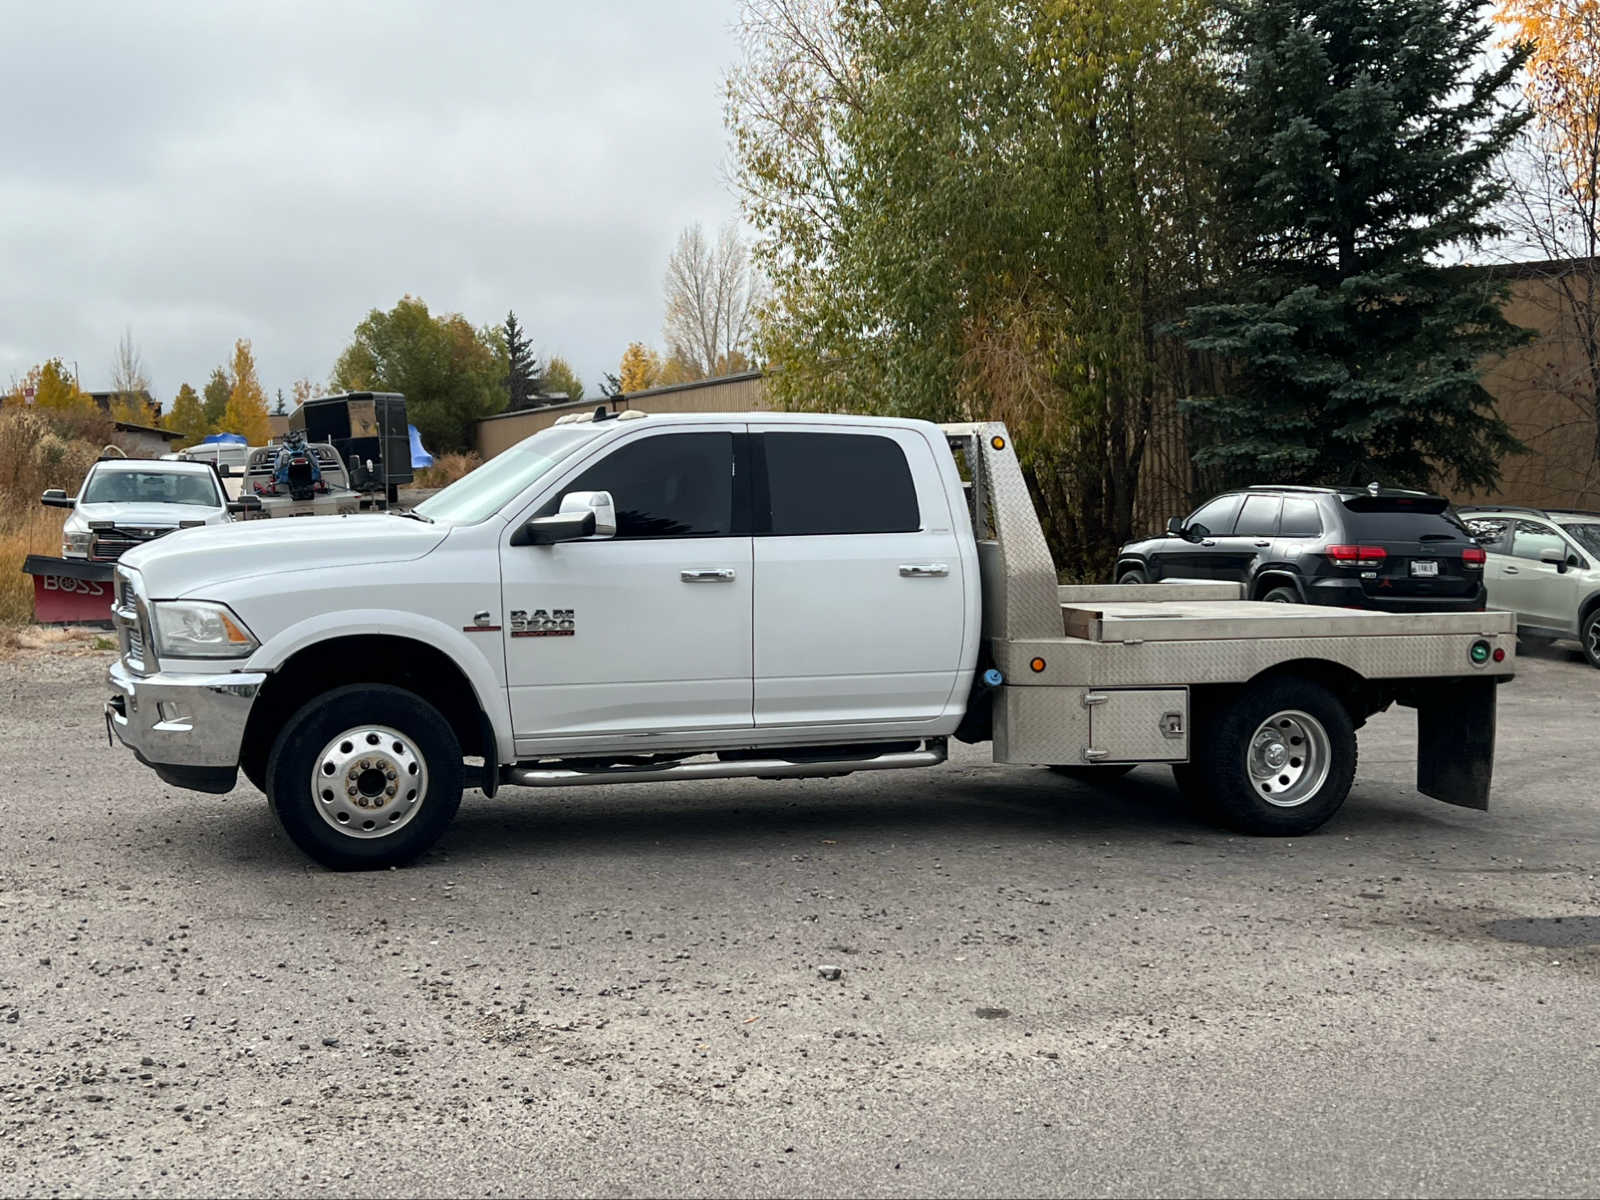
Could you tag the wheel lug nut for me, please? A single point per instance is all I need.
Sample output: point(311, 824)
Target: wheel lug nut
point(389, 774)
point(389, 791)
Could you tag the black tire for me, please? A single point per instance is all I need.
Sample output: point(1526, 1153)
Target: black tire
point(426, 748)
point(249, 768)
point(1095, 774)
point(1132, 575)
point(1313, 727)
point(1282, 595)
point(1589, 637)
point(1193, 787)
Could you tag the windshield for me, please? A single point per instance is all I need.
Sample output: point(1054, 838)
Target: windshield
point(1586, 534)
point(500, 480)
point(151, 487)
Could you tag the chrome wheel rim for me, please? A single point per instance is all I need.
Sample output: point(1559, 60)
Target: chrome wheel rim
point(369, 782)
point(1594, 641)
point(1288, 758)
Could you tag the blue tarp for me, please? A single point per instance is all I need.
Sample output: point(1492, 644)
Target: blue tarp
point(419, 457)
point(231, 439)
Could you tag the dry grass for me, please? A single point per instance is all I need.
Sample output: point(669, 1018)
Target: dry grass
point(34, 455)
point(446, 469)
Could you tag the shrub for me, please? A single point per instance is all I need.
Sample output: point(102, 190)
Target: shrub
point(447, 468)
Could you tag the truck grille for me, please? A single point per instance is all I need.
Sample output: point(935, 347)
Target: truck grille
point(132, 628)
point(108, 545)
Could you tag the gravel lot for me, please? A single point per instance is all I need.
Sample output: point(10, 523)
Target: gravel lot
point(1046, 988)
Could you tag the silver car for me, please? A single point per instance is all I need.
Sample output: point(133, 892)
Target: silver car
point(1543, 565)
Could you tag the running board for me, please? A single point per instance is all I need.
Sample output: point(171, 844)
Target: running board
point(765, 768)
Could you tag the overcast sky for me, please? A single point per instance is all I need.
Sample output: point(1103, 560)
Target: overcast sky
point(208, 171)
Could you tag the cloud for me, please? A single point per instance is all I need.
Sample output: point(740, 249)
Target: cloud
point(213, 171)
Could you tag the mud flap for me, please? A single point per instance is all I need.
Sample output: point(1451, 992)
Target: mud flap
point(1455, 740)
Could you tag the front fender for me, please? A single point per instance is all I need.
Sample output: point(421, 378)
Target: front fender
point(471, 654)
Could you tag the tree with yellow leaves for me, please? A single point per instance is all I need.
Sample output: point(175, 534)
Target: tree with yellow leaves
point(247, 403)
point(1554, 210)
point(54, 390)
point(640, 368)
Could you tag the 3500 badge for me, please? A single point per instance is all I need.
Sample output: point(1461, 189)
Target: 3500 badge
point(554, 622)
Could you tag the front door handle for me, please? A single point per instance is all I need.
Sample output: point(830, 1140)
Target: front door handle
point(1262, 542)
point(1509, 570)
point(1208, 542)
point(706, 574)
point(924, 570)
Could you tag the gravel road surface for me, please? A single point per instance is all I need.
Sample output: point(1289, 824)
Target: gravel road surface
point(1044, 987)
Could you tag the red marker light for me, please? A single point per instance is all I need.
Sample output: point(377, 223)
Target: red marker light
point(1499, 655)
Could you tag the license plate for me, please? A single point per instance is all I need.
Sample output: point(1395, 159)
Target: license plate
point(1424, 566)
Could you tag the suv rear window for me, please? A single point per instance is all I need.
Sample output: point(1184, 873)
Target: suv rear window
point(1401, 524)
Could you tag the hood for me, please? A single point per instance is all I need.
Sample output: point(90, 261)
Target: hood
point(184, 563)
point(153, 516)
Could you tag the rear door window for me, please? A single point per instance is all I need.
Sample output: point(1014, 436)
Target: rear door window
point(1301, 518)
point(1258, 517)
point(833, 483)
point(1493, 533)
point(1217, 517)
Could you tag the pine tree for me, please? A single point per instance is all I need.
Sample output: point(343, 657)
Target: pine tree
point(186, 417)
point(282, 408)
point(522, 381)
point(1360, 153)
point(217, 390)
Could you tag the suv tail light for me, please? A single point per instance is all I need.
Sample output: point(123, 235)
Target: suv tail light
point(1474, 556)
point(1357, 556)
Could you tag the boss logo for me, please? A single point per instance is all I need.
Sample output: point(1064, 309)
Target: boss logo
point(64, 583)
point(541, 622)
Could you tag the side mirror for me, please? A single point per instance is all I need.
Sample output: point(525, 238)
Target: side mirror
point(245, 504)
point(547, 531)
point(56, 498)
point(1175, 526)
point(224, 470)
point(1556, 558)
point(600, 504)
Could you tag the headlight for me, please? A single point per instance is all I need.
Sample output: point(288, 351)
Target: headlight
point(75, 544)
point(199, 629)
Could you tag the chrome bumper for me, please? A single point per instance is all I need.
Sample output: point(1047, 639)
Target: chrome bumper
point(176, 720)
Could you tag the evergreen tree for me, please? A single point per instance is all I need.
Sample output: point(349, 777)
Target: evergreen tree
point(1361, 149)
point(282, 407)
point(216, 392)
point(522, 383)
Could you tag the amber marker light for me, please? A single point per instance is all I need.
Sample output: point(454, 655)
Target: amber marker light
point(998, 442)
point(1036, 665)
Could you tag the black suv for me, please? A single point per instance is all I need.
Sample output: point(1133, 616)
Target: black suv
point(1372, 547)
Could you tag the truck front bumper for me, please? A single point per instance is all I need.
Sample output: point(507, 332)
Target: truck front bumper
point(187, 728)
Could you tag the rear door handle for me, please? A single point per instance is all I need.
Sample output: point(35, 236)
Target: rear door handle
point(1262, 542)
point(924, 570)
point(706, 574)
point(1509, 570)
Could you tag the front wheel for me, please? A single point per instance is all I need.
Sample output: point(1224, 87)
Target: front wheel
point(365, 776)
point(1132, 575)
point(1280, 759)
point(1590, 637)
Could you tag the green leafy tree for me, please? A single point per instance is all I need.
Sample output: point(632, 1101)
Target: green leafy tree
point(560, 377)
point(186, 417)
point(451, 374)
point(522, 369)
point(1361, 152)
point(981, 208)
point(215, 402)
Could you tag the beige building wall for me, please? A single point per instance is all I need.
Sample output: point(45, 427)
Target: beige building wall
point(733, 393)
point(1538, 390)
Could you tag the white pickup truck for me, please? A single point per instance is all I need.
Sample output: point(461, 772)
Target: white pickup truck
point(706, 596)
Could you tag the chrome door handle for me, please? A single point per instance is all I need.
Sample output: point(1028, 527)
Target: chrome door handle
point(1262, 542)
point(1208, 542)
point(924, 570)
point(706, 574)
